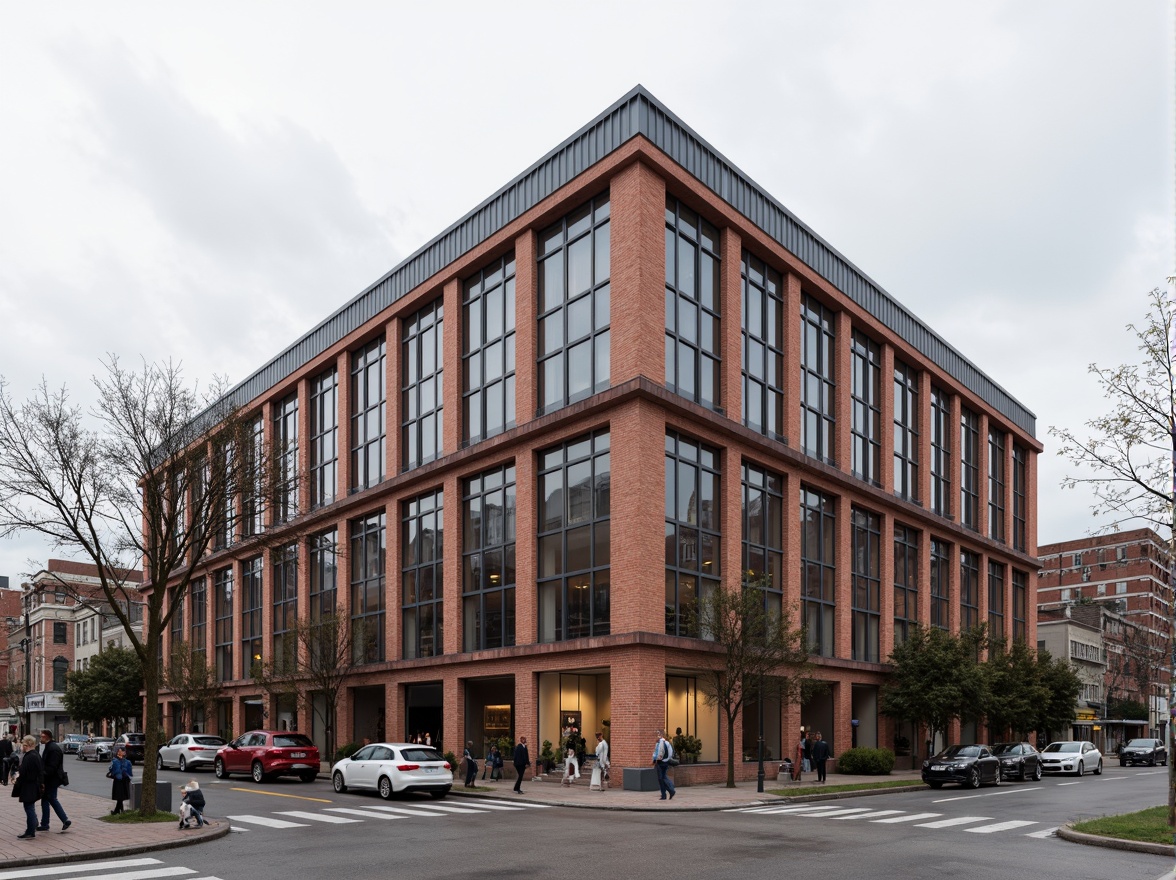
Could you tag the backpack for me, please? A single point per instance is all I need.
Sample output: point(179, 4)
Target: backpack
point(669, 758)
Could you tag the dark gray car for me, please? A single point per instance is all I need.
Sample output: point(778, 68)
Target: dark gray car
point(1018, 760)
point(1143, 751)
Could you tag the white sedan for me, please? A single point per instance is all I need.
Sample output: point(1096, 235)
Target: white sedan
point(392, 768)
point(188, 750)
point(1072, 756)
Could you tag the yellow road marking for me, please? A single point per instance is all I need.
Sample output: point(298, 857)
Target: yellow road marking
point(296, 797)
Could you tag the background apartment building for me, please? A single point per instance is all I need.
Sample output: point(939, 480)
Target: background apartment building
point(632, 306)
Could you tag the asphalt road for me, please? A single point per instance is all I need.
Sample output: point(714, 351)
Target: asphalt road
point(288, 829)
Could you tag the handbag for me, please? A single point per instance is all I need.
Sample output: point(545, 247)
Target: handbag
point(15, 790)
point(65, 777)
point(109, 775)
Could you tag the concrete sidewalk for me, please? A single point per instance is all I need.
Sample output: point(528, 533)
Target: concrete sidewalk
point(88, 837)
point(550, 792)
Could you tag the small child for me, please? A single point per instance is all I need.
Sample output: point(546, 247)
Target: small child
point(191, 804)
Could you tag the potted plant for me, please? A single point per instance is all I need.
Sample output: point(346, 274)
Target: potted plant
point(547, 756)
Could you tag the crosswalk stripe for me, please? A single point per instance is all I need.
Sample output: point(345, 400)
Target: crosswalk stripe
point(369, 814)
point(524, 806)
point(870, 815)
point(1048, 832)
point(318, 817)
point(406, 812)
point(452, 809)
point(70, 869)
point(1000, 826)
point(144, 875)
point(266, 821)
point(484, 806)
point(914, 817)
point(958, 820)
point(843, 811)
point(812, 809)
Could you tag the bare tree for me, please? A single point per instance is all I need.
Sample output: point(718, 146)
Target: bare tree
point(328, 649)
point(147, 478)
point(754, 653)
point(192, 681)
point(1126, 456)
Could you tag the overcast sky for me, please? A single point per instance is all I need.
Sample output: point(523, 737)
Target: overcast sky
point(208, 181)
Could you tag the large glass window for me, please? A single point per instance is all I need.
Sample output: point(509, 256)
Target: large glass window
point(225, 530)
point(818, 559)
point(222, 592)
point(423, 380)
point(574, 539)
point(969, 469)
point(940, 452)
point(906, 581)
point(866, 400)
point(1020, 598)
point(996, 600)
point(286, 455)
point(176, 629)
point(574, 266)
point(367, 587)
point(1020, 504)
point(817, 385)
point(421, 575)
point(940, 582)
point(763, 532)
point(323, 562)
point(693, 528)
point(489, 351)
point(867, 584)
point(368, 402)
point(906, 432)
point(488, 559)
point(199, 632)
point(763, 347)
point(996, 484)
point(324, 437)
point(969, 590)
point(250, 614)
point(285, 608)
point(692, 305)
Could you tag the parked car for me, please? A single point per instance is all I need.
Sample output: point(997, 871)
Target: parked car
point(264, 754)
point(392, 768)
point(1018, 760)
point(1071, 756)
point(71, 742)
point(96, 748)
point(970, 765)
point(1143, 751)
point(134, 744)
point(189, 750)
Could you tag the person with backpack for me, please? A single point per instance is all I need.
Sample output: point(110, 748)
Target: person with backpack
point(663, 759)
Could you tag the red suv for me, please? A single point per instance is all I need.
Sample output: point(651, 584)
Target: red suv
point(264, 754)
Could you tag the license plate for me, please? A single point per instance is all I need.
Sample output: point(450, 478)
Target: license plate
point(298, 754)
point(429, 769)
point(938, 767)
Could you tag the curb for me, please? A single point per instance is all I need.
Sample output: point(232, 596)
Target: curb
point(221, 829)
point(1067, 832)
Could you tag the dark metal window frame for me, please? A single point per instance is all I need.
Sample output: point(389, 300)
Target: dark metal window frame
point(691, 534)
point(369, 401)
point(693, 361)
point(488, 550)
point(866, 606)
point(866, 407)
point(61, 627)
point(969, 590)
point(996, 484)
point(285, 607)
point(286, 458)
point(906, 581)
point(969, 469)
point(1020, 605)
point(1020, 500)
point(198, 632)
point(368, 546)
point(324, 574)
point(488, 356)
point(574, 322)
point(251, 613)
point(222, 599)
point(818, 560)
point(422, 428)
point(763, 531)
point(906, 431)
point(818, 380)
point(423, 560)
point(324, 438)
point(252, 496)
point(763, 346)
point(996, 600)
point(941, 432)
point(940, 583)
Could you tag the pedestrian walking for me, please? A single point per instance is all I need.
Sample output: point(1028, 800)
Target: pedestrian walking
point(808, 750)
point(663, 754)
point(602, 759)
point(820, 756)
point(522, 762)
point(52, 775)
point(471, 765)
point(799, 762)
point(5, 758)
point(27, 786)
point(121, 772)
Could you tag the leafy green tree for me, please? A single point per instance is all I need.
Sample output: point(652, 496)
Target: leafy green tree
point(936, 679)
point(1131, 709)
point(1015, 689)
point(1062, 687)
point(108, 689)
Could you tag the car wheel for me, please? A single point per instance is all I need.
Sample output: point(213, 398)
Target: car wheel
point(218, 769)
point(159, 762)
point(935, 784)
point(1152, 762)
point(973, 778)
point(1037, 772)
point(384, 786)
point(438, 795)
point(257, 772)
point(1098, 769)
point(337, 782)
point(1081, 769)
point(308, 776)
point(183, 765)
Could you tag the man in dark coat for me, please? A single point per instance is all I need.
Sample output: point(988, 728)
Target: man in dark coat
point(820, 756)
point(522, 763)
point(52, 759)
point(28, 786)
point(5, 758)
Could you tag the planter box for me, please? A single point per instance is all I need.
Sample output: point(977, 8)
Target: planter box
point(163, 795)
point(640, 779)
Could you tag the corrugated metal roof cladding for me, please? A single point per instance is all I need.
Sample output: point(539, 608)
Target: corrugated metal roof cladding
point(638, 112)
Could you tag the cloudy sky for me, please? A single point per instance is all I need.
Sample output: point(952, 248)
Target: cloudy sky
point(1004, 169)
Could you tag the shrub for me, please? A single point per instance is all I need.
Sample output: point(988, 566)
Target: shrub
point(866, 762)
point(346, 751)
point(452, 759)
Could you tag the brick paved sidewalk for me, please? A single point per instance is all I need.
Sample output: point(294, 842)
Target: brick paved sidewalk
point(88, 837)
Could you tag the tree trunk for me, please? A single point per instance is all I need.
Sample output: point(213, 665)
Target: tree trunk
point(150, 724)
point(730, 751)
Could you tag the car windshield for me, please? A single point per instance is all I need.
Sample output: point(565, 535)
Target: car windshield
point(422, 755)
point(1006, 749)
point(960, 752)
point(1063, 747)
point(292, 740)
point(1141, 744)
point(208, 740)
point(134, 737)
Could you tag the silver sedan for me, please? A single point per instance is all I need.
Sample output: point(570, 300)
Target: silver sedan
point(188, 750)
